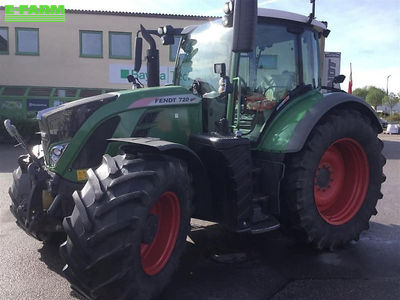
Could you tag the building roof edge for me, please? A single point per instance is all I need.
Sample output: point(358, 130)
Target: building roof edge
point(135, 14)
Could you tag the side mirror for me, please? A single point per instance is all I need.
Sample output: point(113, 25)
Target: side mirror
point(220, 69)
point(339, 79)
point(225, 86)
point(245, 14)
point(326, 32)
point(138, 53)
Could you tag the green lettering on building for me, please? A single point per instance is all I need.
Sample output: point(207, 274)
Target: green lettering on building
point(59, 10)
point(33, 9)
point(23, 8)
point(34, 13)
point(142, 75)
point(9, 9)
point(124, 73)
point(44, 9)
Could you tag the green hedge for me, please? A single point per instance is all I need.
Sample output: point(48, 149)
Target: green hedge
point(395, 117)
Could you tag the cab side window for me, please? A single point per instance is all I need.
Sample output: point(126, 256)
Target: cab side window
point(267, 75)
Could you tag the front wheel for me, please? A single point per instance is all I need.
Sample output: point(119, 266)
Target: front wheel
point(128, 228)
point(331, 187)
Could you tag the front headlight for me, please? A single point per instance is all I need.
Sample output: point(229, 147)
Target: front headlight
point(37, 150)
point(56, 153)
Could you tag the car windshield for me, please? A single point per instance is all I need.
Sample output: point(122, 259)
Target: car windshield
point(208, 44)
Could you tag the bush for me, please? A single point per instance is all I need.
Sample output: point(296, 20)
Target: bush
point(395, 117)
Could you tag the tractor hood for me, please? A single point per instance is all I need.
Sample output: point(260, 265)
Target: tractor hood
point(62, 122)
point(80, 129)
point(158, 96)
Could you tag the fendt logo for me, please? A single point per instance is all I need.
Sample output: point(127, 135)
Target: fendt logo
point(34, 13)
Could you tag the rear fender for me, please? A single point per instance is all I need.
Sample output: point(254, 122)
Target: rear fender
point(320, 109)
point(288, 132)
point(202, 192)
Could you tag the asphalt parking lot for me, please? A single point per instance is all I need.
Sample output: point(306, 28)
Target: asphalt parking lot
point(268, 266)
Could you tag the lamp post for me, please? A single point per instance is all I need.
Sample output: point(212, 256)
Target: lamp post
point(387, 93)
point(387, 85)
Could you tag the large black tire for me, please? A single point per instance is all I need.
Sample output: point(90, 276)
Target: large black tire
point(128, 228)
point(332, 185)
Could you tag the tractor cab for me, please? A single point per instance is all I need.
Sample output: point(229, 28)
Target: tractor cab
point(285, 57)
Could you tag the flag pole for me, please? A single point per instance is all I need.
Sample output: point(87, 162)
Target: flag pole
point(350, 89)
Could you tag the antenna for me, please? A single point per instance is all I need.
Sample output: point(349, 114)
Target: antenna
point(312, 15)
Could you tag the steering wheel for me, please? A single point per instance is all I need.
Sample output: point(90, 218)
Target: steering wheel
point(267, 87)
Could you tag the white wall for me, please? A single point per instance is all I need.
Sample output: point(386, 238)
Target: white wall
point(59, 62)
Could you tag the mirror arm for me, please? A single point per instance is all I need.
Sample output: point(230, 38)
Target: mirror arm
point(146, 35)
point(13, 132)
point(153, 58)
point(239, 102)
point(333, 89)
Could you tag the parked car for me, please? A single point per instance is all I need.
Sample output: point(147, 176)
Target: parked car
point(392, 129)
point(384, 123)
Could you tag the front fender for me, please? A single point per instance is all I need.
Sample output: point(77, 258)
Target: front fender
point(202, 190)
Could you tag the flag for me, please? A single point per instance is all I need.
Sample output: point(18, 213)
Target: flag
point(350, 90)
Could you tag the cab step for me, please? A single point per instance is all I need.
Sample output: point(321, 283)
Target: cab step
point(260, 222)
point(269, 224)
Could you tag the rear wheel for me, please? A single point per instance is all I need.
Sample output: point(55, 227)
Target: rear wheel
point(331, 187)
point(128, 228)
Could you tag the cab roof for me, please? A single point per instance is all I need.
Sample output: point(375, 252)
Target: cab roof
point(285, 15)
point(276, 14)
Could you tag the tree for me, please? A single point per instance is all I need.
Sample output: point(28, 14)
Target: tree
point(361, 92)
point(375, 96)
point(391, 100)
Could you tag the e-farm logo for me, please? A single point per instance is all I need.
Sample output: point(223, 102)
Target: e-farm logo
point(34, 13)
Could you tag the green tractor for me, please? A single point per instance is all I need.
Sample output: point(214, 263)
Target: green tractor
point(244, 137)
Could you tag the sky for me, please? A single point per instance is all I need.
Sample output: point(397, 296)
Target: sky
point(366, 32)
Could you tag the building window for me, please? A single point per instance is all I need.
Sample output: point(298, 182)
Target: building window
point(3, 40)
point(173, 49)
point(269, 62)
point(65, 92)
point(91, 43)
point(40, 91)
point(89, 92)
point(14, 91)
point(120, 45)
point(27, 41)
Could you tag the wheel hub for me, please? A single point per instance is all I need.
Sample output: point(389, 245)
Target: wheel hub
point(341, 181)
point(323, 177)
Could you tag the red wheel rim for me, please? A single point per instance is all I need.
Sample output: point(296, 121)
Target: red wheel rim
point(341, 181)
point(154, 256)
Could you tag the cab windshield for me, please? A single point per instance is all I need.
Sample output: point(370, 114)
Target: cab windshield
point(208, 44)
